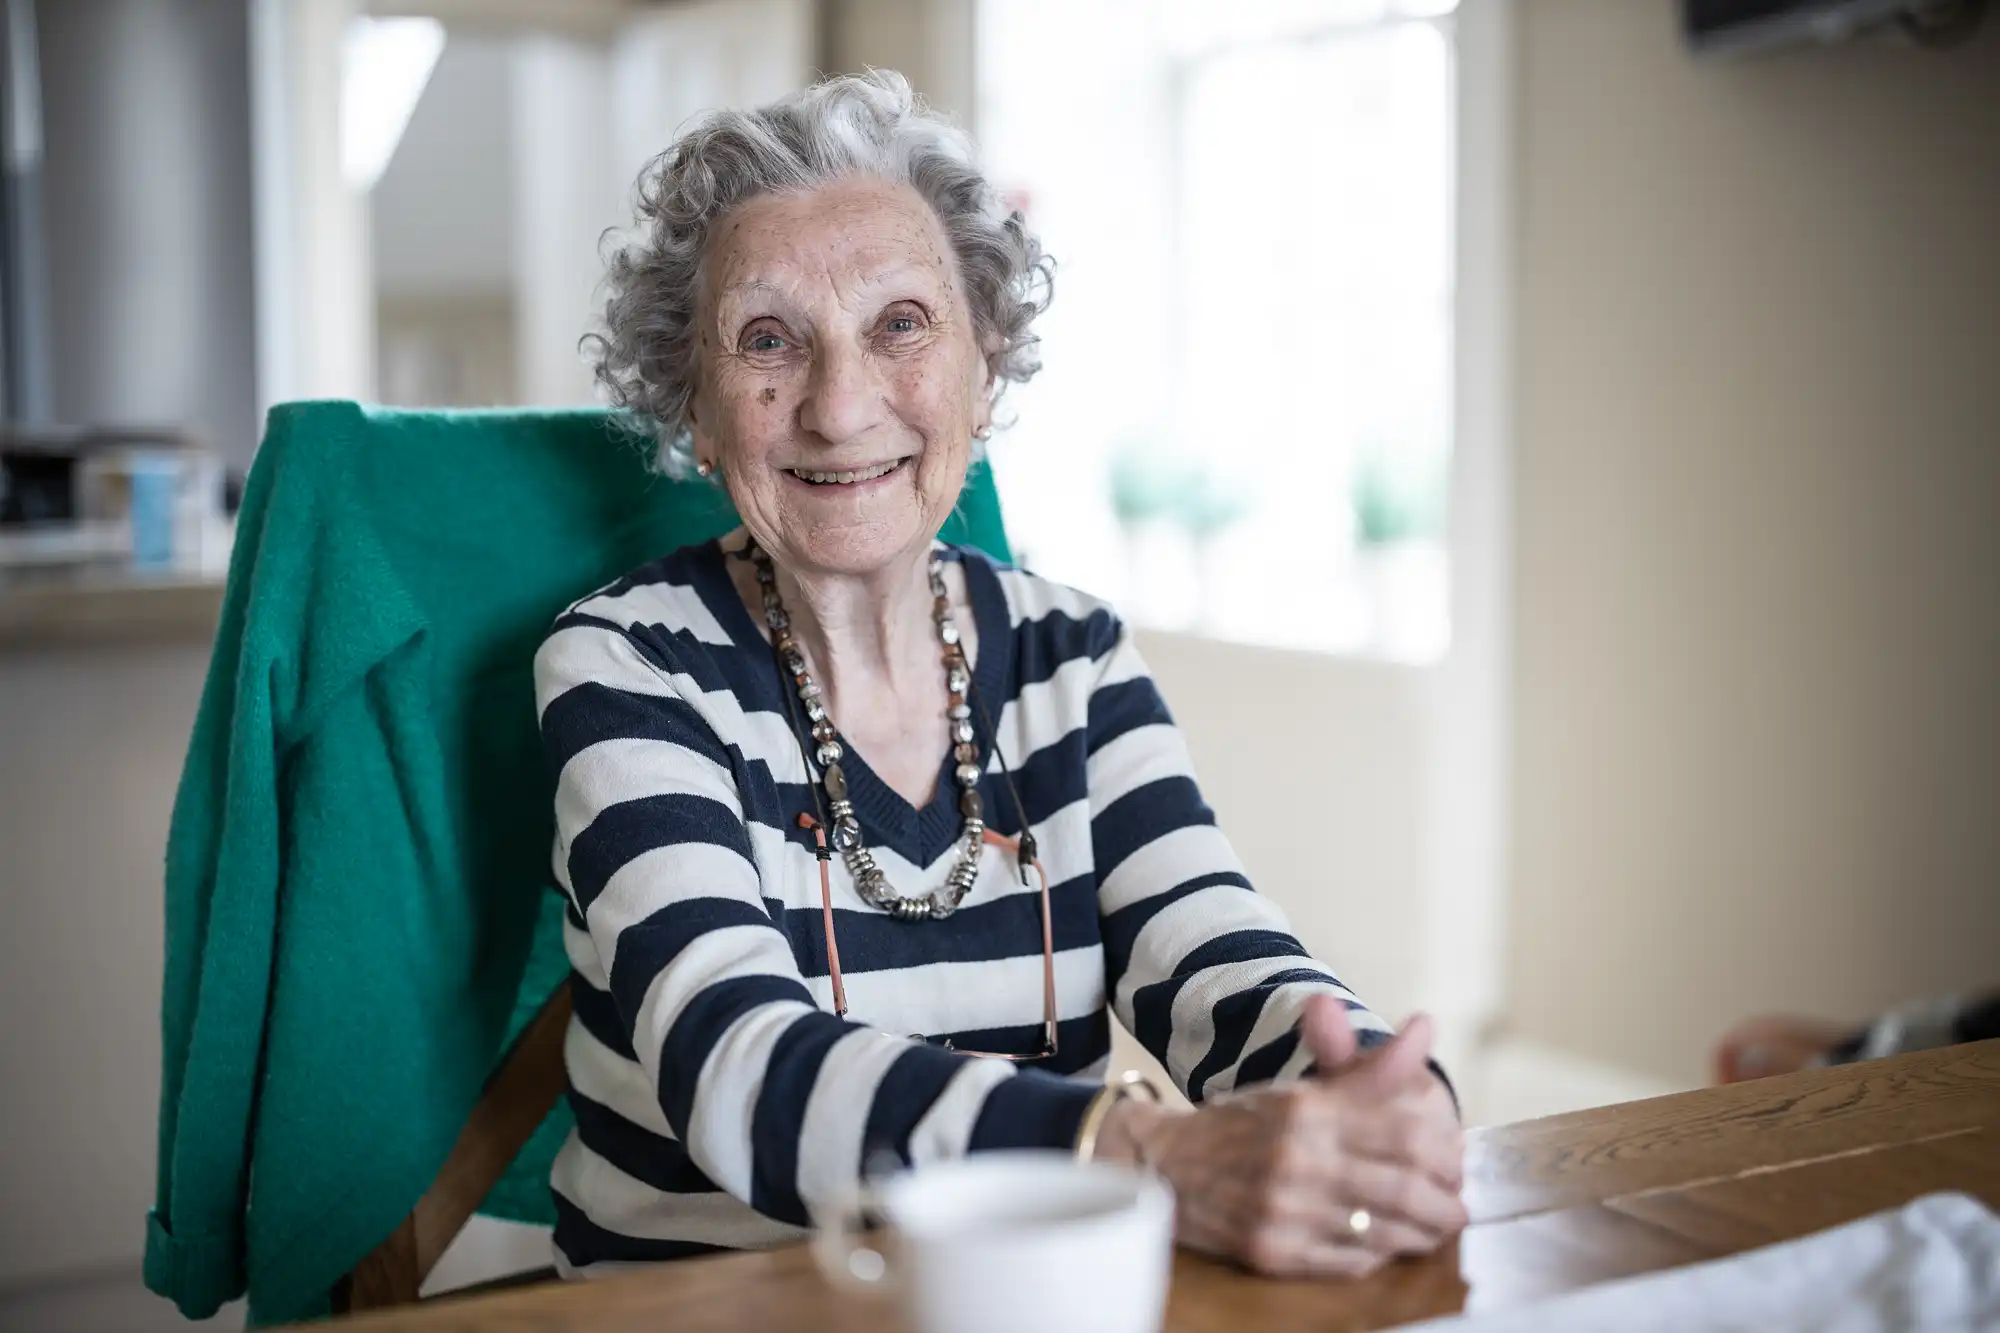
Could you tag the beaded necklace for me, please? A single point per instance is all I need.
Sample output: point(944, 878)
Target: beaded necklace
point(869, 881)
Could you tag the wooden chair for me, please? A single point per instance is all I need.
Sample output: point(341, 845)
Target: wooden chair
point(515, 1102)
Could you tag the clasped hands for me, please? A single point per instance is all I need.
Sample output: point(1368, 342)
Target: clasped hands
point(1331, 1176)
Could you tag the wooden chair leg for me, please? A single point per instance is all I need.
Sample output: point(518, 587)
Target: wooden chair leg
point(517, 1099)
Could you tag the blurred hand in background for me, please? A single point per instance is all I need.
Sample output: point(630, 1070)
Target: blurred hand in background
point(1776, 1044)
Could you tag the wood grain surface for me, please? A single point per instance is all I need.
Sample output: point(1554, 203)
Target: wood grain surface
point(1557, 1204)
point(1754, 1209)
point(1590, 1156)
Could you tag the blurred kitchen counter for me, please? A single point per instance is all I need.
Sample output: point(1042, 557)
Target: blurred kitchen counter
point(109, 606)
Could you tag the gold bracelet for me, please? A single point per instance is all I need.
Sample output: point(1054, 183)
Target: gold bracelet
point(1131, 1083)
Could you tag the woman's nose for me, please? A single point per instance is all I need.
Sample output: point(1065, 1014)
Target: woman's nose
point(844, 399)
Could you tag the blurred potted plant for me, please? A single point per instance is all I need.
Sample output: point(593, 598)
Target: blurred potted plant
point(1146, 483)
point(1208, 507)
point(1158, 493)
point(1399, 495)
point(1147, 486)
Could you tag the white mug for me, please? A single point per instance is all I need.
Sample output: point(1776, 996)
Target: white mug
point(1006, 1242)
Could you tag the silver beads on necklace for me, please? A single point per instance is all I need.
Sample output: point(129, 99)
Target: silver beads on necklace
point(845, 833)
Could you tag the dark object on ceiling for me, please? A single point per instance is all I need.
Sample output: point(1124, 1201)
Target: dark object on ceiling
point(1739, 27)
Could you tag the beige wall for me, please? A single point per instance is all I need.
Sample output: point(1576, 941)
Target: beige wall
point(929, 42)
point(446, 349)
point(1757, 706)
point(91, 743)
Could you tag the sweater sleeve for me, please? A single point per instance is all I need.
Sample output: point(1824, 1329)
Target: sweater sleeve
point(1203, 970)
point(221, 905)
point(775, 1100)
point(221, 921)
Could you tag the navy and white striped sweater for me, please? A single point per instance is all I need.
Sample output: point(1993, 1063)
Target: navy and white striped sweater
point(717, 1097)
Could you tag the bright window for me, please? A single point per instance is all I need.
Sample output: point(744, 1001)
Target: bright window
point(1243, 429)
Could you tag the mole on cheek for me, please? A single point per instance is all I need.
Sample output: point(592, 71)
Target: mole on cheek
point(769, 396)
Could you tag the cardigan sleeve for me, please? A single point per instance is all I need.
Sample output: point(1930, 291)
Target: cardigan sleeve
point(221, 914)
point(221, 910)
point(775, 1100)
point(1203, 970)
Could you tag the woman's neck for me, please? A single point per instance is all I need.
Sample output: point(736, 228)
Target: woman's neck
point(865, 630)
point(870, 642)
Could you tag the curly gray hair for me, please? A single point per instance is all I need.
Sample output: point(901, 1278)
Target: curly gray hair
point(868, 125)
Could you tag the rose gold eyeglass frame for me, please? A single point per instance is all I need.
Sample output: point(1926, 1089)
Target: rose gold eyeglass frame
point(1022, 864)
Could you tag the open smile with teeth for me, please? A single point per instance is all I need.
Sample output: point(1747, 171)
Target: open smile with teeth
point(847, 478)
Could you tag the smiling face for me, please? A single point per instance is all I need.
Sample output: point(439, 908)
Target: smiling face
point(840, 376)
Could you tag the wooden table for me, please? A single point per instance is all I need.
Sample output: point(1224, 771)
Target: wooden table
point(1556, 1203)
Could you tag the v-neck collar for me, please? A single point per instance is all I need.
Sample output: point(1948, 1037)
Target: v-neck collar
point(918, 835)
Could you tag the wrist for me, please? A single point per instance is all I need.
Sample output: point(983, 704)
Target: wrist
point(1097, 1115)
point(1132, 1130)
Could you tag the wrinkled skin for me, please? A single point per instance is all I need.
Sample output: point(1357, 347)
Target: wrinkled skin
point(1270, 1176)
point(835, 337)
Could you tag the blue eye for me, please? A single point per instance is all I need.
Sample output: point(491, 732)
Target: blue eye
point(767, 342)
point(902, 324)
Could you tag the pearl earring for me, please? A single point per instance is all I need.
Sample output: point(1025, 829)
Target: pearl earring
point(983, 433)
point(703, 468)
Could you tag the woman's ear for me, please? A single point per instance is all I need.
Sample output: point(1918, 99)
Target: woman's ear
point(982, 399)
point(700, 442)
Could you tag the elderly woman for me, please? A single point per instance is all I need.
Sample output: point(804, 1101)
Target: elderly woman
point(866, 836)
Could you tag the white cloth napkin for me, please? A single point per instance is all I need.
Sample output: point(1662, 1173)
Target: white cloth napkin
point(1933, 1264)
